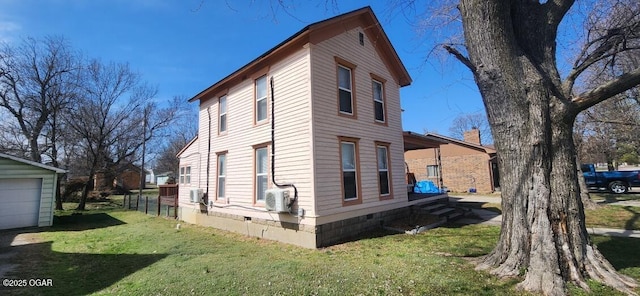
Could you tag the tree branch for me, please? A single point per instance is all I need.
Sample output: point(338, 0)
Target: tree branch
point(609, 89)
point(463, 59)
point(557, 10)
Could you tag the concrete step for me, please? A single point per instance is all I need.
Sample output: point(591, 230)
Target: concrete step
point(450, 214)
point(455, 216)
point(443, 212)
point(433, 207)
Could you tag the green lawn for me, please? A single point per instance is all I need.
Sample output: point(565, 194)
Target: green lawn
point(606, 215)
point(118, 252)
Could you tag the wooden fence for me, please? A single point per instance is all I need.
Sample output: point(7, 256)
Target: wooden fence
point(167, 198)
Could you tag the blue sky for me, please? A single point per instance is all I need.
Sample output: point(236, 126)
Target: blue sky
point(184, 46)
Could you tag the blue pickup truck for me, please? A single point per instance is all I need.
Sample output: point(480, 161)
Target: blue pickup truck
point(615, 181)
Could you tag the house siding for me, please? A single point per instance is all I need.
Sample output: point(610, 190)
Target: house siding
point(292, 141)
point(329, 125)
point(308, 129)
point(16, 170)
point(191, 156)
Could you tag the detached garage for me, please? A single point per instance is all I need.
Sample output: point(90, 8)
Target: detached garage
point(27, 192)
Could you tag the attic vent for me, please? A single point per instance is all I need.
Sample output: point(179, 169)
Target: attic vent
point(361, 38)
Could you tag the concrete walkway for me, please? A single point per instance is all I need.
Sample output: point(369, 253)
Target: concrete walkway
point(492, 218)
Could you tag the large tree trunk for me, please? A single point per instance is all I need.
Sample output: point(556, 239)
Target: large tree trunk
point(512, 55)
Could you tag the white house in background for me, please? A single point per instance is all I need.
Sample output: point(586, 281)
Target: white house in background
point(162, 178)
point(150, 176)
point(338, 139)
point(27, 192)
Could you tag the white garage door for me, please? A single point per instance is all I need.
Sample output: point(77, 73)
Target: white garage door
point(19, 202)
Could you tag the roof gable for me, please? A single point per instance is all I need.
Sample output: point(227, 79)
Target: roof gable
point(33, 163)
point(314, 33)
point(186, 146)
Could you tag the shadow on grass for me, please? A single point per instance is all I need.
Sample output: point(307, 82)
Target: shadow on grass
point(83, 221)
point(636, 215)
point(478, 205)
point(71, 273)
point(621, 252)
point(611, 197)
point(25, 257)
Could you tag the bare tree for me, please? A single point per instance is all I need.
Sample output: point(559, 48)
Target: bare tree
point(115, 117)
point(37, 83)
point(465, 122)
point(104, 119)
point(510, 47)
point(182, 132)
point(38, 80)
point(609, 128)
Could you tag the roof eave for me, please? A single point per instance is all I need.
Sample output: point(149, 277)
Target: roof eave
point(186, 146)
point(252, 64)
point(485, 149)
point(33, 163)
point(390, 56)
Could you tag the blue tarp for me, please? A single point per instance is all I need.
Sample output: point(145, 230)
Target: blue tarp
point(426, 186)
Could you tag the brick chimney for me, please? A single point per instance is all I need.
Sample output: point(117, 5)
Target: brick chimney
point(472, 136)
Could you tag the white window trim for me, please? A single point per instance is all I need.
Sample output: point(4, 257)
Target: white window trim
point(258, 175)
point(222, 177)
point(185, 174)
point(437, 171)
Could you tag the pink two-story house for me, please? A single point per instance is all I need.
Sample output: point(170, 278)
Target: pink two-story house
point(333, 165)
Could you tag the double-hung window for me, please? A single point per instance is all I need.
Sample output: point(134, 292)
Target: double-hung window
point(262, 172)
point(261, 99)
point(222, 111)
point(185, 175)
point(349, 171)
point(345, 91)
point(383, 170)
point(432, 171)
point(222, 176)
point(378, 101)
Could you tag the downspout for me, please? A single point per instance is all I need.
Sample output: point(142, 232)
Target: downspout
point(273, 151)
point(205, 198)
point(439, 163)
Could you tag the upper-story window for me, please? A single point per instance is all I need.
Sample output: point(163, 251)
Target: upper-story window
point(378, 101)
point(261, 99)
point(222, 111)
point(345, 90)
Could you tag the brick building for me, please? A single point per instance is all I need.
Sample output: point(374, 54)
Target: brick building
point(460, 166)
point(126, 177)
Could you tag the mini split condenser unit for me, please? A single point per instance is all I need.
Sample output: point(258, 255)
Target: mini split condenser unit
point(277, 200)
point(195, 195)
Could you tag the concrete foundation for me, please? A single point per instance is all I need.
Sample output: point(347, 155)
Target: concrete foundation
point(307, 236)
